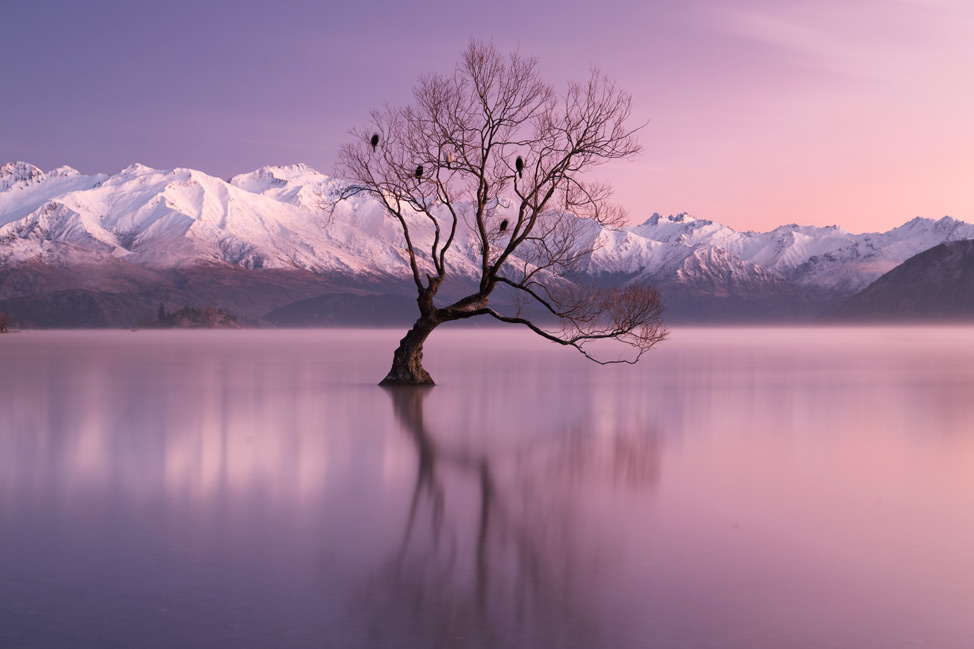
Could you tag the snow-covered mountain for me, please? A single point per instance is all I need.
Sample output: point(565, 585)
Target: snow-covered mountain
point(272, 220)
point(824, 258)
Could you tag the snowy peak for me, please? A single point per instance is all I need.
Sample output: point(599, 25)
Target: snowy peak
point(23, 175)
point(921, 226)
point(19, 170)
point(296, 184)
point(276, 177)
point(135, 169)
point(63, 171)
point(19, 174)
point(679, 228)
point(682, 217)
point(277, 174)
point(259, 181)
point(24, 188)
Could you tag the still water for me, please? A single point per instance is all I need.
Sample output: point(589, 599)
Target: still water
point(739, 488)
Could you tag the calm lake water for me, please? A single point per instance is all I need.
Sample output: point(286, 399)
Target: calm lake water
point(740, 488)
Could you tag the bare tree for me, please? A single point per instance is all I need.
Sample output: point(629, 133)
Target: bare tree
point(493, 153)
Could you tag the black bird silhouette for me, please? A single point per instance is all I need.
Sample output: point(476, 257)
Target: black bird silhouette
point(504, 222)
point(419, 171)
point(375, 141)
point(519, 165)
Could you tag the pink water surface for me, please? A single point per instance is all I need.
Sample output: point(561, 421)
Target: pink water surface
point(740, 488)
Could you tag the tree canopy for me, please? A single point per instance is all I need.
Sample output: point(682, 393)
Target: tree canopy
point(493, 152)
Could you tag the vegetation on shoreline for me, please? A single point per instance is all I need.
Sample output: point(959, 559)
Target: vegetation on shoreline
point(190, 318)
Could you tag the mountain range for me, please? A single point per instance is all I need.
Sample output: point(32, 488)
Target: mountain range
point(104, 250)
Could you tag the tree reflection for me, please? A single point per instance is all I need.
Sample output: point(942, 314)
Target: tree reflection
point(494, 552)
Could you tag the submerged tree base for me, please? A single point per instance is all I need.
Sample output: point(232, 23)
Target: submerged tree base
point(419, 379)
point(407, 361)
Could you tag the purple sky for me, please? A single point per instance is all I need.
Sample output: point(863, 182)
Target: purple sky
point(761, 112)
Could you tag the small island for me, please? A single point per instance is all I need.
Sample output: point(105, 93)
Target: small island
point(190, 318)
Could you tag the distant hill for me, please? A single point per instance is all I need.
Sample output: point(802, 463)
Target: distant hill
point(191, 318)
point(935, 285)
point(346, 310)
point(118, 293)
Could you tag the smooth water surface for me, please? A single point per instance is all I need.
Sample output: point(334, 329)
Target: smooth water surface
point(739, 488)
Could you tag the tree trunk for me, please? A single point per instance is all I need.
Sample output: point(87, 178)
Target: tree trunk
point(407, 361)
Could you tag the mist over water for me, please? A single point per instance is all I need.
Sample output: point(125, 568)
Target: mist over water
point(739, 488)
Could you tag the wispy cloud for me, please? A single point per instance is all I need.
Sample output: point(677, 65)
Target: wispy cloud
point(865, 39)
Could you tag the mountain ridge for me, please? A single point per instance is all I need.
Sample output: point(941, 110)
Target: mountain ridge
point(271, 219)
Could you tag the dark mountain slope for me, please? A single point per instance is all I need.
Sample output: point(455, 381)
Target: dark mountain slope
point(937, 284)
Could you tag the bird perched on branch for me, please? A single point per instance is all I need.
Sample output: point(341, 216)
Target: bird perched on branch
point(503, 227)
point(374, 141)
point(519, 165)
point(419, 171)
point(449, 159)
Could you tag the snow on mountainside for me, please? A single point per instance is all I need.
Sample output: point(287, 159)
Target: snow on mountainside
point(295, 184)
point(271, 219)
point(819, 258)
point(182, 217)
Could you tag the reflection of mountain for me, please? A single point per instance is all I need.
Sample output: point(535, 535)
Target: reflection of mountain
point(173, 416)
point(492, 552)
point(215, 414)
point(265, 470)
point(133, 505)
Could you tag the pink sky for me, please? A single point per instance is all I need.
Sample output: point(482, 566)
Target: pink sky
point(855, 113)
point(761, 112)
